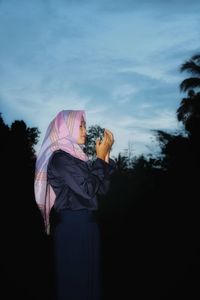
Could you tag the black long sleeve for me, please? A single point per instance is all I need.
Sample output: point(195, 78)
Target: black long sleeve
point(77, 183)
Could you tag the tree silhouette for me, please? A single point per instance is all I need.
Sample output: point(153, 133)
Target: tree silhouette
point(149, 218)
point(189, 110)
point(192, 66)
point(189, 114)
point(23, 243)
point(122, 163)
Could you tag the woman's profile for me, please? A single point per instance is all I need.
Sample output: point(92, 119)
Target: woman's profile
point(67, 185)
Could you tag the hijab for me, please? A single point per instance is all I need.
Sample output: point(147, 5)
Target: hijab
point(62, 133)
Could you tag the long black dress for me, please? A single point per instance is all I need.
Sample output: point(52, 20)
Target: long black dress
point(75, 231)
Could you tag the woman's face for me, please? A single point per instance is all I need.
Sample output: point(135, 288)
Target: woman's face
point(82, 132)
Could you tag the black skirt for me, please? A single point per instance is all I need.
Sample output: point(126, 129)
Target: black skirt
point(77, 259)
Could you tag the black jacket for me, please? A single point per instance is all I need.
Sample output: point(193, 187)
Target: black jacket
point(77, 183)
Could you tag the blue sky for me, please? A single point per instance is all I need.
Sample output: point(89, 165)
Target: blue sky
point(118, 60)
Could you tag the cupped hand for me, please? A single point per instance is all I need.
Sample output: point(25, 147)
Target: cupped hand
point(110, 137)
point(103, 148)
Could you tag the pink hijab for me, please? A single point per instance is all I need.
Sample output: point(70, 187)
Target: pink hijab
point(62, 133)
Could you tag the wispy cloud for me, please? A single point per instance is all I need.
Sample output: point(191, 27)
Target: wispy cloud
point(117, 60)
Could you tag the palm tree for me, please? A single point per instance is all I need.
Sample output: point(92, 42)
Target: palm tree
point(189, 110)
point(192, 66)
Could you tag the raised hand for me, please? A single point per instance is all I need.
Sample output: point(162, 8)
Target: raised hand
point(103, 148)
point(109, 136)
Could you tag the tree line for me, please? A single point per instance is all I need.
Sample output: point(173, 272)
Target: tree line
point(149, 219)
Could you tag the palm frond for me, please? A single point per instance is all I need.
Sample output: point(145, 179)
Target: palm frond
point(190, 66)
point(190, 83)
point(183, 112)
point(196, 57)
point(162, 136)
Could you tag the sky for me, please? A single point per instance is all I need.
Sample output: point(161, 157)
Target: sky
point(119, 60)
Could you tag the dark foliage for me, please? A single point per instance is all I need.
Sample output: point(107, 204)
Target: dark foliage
point(24, 265)
point(192, 66)
point(149, 219)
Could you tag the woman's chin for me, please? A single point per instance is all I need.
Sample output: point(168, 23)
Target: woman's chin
point(81, 143)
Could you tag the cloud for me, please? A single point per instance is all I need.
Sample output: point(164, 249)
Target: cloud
point(118, 60)
point(122, 6)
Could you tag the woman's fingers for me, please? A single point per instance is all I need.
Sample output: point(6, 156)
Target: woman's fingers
point(110, 135)
point(108, 140)
point(107, 137)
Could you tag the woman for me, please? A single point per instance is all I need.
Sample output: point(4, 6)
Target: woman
point(67, 185)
